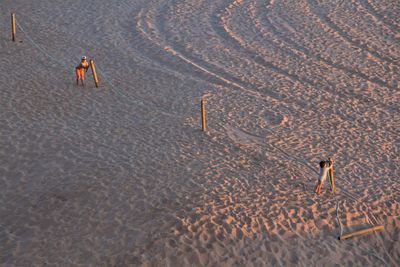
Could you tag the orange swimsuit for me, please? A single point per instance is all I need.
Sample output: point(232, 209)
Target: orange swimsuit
point(80, 69)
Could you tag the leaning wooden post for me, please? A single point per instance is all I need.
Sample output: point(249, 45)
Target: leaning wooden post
point(203, 116)
point(13, 27)
point(96, 80)
point(332, 178)
point(361, 232)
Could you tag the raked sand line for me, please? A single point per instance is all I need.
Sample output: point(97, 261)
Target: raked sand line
point(345, 96)
point(262, 20)
point(331, 25)
point(329, 31)
point(175, 53)
point(378, 17)
point(88, 179)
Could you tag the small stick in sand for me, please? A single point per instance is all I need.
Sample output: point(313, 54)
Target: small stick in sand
point(96, 80)
point(13, 27)
point(203, 116)
point(361, 232)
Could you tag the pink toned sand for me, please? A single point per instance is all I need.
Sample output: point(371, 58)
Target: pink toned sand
point(123, 176)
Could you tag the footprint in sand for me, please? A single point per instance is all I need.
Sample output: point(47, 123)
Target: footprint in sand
point(273, 119)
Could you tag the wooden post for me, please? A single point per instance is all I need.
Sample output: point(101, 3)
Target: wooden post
point(96, 80)
point(361, 232)
point(13, 27)
point(331, 176)
point(203, 116)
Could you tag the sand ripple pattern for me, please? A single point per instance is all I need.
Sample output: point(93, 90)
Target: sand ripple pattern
point(122, 176)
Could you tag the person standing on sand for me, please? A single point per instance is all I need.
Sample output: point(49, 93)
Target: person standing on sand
point(79, 70)
point(323, 172)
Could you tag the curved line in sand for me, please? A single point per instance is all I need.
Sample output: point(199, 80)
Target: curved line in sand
point(325, 20)
point(267, 25)
point(366, 4)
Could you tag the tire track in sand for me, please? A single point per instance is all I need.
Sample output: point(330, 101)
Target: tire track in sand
point(164, 30)
point(182, 55)
point(204, 70)
point(371, 10)
point(186, 58)
point(328, 31)
point(288, 43)
point(162, 52)
point(313, 7)
point(240, 44)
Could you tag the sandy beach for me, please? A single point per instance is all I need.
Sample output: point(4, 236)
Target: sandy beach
point(122, 175)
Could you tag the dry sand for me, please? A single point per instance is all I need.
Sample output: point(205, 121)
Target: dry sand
point(122, 175)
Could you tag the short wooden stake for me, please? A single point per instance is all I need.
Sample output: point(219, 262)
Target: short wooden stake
point(96, 80)
point(13, 27)
point(361, 232)
point(332, 178)
point(203, 116)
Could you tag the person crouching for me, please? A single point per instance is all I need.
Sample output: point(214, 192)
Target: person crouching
point(323, 173)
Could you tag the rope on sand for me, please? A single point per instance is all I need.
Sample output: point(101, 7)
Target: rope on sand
point(371, 253)
point(141, 103)
point(349, 235)
point(112, 86)
point(41, 49)
point(136, 102)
